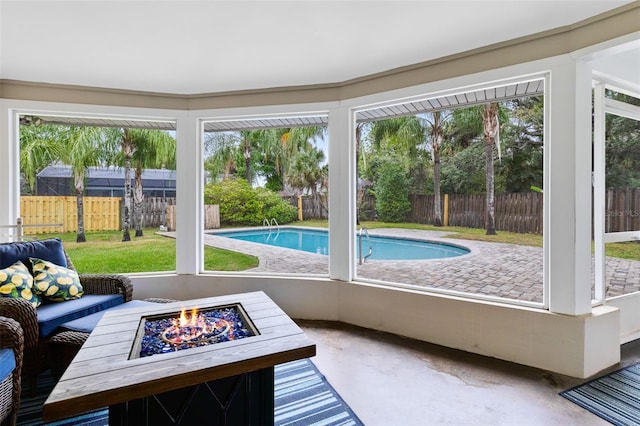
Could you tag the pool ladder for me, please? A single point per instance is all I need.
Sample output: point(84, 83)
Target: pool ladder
point(363, 232)
point(271, 224)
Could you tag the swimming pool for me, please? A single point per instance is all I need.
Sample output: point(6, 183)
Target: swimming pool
point(317, 241)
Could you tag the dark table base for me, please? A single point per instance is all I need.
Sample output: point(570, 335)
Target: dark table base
point(245, 399)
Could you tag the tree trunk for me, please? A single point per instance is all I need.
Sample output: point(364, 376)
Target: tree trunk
point(247, 159)
point(490, 122)
point(437, 205)
point(127, 150)
point(138, 197)
point(79, 184)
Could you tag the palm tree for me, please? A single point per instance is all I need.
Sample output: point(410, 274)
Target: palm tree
point(401, 135)
point(306, 171)
point(282, 146)
point(220, 150)
point(39, 147)
point(83, 147)
point(491, 131)
point(226, 148)
point(485, 119)
point(153, 148)
point(228, 152)
point(436, 122)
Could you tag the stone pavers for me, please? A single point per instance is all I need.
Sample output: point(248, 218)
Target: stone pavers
point(490, 269)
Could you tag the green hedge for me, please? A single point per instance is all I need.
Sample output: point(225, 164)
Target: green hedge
point(240, 204)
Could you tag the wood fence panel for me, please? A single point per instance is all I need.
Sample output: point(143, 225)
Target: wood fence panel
point(171, 218)
point(154, 211)
point(100, 213)
point(211, 216)
point(622, 211)
point(423, 208)
point(366, 205)
point(41, 210)
point(313, 206)
point(519, 212)
point(467, 210)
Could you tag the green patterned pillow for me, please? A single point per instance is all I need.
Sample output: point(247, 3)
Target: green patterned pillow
point(16, 282)
point(55, 283)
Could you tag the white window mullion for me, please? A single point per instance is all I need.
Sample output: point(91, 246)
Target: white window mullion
point(599, 193)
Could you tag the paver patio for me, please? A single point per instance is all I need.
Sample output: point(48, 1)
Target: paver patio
point(493, 269)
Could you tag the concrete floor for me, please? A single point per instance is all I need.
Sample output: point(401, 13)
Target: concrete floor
point(393, 381)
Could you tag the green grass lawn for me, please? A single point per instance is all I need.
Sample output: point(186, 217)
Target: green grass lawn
point(105, 253)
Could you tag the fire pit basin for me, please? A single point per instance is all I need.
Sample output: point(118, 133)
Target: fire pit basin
point(174, 331)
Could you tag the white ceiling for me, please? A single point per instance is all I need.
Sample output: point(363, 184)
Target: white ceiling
point(191, 47)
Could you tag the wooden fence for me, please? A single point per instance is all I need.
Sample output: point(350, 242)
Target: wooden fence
point(154, 211)
point(520, 213)
point(211, 217)
point(313, 206)
point(100, 213)
point(622, 211)
point(517, 212)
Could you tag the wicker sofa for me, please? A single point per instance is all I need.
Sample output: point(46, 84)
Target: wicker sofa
point(11, 351)
point(41, 323)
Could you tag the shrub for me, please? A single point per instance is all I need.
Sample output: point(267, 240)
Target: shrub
point(240, 204)
point(392, 192)
point(276, 207)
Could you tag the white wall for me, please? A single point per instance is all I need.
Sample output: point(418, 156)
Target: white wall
point(578, 346)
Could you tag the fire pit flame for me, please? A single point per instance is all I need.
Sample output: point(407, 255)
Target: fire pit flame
point(189, 329)
point(194, 327)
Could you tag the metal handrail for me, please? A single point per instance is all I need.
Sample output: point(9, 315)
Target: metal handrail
point(270, 224)
point(19, 227)
point(363, 231)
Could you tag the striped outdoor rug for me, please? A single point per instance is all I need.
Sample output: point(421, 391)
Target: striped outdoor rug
point(302, 397)
point(614, 397)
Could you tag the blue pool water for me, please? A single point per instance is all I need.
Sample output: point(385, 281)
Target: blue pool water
point(315, 241)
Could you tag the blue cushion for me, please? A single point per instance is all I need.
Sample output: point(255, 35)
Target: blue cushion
point(52, 315)
point(88, 323)
point(7, 362)
point(50, 250)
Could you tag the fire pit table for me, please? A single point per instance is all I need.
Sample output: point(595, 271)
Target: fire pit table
point(218, 371)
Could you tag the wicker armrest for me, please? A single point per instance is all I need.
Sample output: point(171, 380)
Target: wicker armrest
point(107, 284)
point(11, 336)
point(25, 314)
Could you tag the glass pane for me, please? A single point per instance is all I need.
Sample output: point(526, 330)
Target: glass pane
point(73, 187)
point(417, 173)
point(268, 191)
point(622, 199)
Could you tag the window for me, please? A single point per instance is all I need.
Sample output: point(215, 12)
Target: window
point(266, 195)
point(616, 192)
point(73, 184)
point(439, 176)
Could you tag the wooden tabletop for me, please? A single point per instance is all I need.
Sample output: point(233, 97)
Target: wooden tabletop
point(102, 374)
